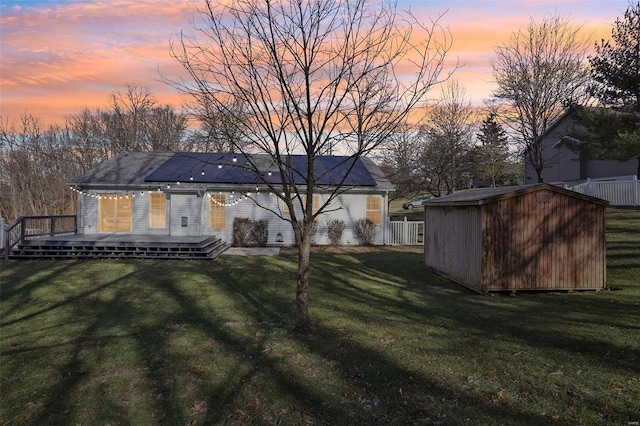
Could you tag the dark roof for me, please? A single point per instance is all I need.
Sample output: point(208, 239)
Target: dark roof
point(488, 195)
point(135, 168)
point(126, 169)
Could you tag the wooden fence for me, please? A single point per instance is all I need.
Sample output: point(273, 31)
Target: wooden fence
point(405, 232)
point(618, 193)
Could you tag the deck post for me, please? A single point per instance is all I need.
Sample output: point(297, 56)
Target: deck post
point(52, 226)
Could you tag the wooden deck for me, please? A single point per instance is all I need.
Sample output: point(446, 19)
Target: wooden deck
point(114, 246)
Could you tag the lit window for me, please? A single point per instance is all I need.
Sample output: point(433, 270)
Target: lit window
point(217, 211)
point(374, 209)
point(157, 210)
point(115, 213)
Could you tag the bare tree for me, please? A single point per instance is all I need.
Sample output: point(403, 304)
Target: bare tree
point(38, 161)
point(312, 77)
point(400, 160)
point(446, 141)
point(165, 129)
point(540, 72)
point(34, 169)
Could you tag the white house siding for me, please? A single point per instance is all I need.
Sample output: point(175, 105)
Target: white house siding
point(453, 243)
point(353, 208)
point(348, 207)
point(184, 214)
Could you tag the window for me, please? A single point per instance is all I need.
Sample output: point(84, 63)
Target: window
point(373, 210)
point(315, 205)
point(314, 208)
point(217, 211)
point(115, 213)
point(157, 210)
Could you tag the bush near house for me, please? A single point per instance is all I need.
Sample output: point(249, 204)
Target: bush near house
point(247, 232)
point(260, 232)
point(241, 231)
point(365, 232)
point(335, 228)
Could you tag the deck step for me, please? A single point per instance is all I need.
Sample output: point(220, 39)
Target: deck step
point(209, 248)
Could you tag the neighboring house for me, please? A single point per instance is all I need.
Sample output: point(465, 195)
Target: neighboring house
point(199, 194)
point(561, 164)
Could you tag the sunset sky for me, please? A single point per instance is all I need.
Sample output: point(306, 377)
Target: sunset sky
point(57, 57)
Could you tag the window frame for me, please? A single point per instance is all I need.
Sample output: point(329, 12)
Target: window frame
point(217, 211)
point(157, 210)
point(373, 212)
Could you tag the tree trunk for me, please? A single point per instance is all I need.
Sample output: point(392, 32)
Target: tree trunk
point(303, 322)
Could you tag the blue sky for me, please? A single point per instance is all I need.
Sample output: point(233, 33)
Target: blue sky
point(57, 57)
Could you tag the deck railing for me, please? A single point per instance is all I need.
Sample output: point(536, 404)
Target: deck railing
point(30, 227)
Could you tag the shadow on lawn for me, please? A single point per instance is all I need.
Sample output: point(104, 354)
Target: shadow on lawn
point(534, 321)
point(178, 331)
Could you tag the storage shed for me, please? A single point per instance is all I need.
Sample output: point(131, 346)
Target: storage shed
point(530, 237)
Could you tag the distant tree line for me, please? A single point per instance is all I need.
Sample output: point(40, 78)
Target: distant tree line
point(39, 160)
point(541, 71)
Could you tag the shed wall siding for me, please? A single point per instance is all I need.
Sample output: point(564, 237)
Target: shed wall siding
point(543, 241)
point(453, 243)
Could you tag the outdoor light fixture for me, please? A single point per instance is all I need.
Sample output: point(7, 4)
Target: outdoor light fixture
point(279, 238)
point(202, 173)
point(191, 177)
point(234, 159)
point(269, 173)
point(219, 166)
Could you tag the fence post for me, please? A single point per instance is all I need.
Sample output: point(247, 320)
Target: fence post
point(405, 232)
point(2, 232)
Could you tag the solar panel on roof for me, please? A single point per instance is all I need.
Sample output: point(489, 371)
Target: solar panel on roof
point(235, 169)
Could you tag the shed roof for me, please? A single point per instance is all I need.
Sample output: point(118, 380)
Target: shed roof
point(480, 196)
point(138, 168)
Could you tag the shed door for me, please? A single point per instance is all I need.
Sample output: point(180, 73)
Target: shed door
point(115, 213)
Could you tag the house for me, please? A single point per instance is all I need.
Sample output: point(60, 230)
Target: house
point(529, 237)
point(200, 194)
point(561, 164)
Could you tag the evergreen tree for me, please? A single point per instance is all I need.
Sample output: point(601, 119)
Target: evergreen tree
point(614, 134)
point(493, 153)
point(616, 66)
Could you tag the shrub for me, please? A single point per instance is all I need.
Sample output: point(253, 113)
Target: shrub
point(335, 227)
point(260, 232)
point(241, 231)
point(365, 232)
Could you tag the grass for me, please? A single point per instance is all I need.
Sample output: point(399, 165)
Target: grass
point(197, 342)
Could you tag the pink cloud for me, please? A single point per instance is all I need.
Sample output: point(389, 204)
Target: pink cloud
point(61, 57)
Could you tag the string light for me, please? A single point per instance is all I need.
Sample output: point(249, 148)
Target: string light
point(234, 198)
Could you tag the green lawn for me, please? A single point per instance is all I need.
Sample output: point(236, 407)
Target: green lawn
point(210, 342)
